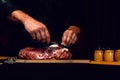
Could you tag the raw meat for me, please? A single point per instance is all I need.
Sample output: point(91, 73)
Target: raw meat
point(52, 52)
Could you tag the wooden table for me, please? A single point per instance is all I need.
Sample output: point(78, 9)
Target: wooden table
point(60, 69)
point(85, 61)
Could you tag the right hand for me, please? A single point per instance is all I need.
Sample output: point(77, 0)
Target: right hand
point(37, 30)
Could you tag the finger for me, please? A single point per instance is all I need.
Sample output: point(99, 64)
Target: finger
point(38, 35)
point(32, 34)
point(69, 37)
point(47, 35)
point(64, 39)
point(43, 35)
point(74, 40)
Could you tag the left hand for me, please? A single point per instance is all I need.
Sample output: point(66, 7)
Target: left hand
point(69, 37)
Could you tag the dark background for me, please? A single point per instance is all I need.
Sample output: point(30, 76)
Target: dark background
point(99, 23)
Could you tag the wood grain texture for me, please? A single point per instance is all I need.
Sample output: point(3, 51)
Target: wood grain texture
point(52, 61)
point(3, 57)
point(105, 63)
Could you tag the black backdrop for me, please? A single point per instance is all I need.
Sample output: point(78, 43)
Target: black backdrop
point(99, 20)
point(99, 23)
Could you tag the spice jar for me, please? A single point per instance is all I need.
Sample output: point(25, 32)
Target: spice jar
point(117, 55)
point(98, 55)
point(109, 55)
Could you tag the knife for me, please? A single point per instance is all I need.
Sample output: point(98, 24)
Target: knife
point(61, 45)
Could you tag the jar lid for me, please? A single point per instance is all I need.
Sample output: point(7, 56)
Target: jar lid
point(117, 50)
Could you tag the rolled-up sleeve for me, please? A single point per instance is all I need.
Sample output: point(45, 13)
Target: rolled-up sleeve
point(6, 7)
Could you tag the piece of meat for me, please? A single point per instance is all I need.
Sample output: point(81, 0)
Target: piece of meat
point(52, 52)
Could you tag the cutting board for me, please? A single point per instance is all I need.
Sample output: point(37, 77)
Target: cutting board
point(51, 61)
point(4, 57)
point(44, 61)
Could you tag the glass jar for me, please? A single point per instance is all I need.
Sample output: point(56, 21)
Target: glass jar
point(117, 55)
point(109, 55)
point(98, 55)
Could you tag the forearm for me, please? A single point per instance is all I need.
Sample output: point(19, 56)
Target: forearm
point(9, 10)
point(19, 16)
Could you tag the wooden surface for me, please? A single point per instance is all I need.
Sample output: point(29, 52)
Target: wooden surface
point(52, 61)
point(3, 57)
point(61, 61)
point(45, 61)
point(105, 63)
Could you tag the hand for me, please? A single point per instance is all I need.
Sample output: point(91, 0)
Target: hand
point(69, 37)
point(37, 30)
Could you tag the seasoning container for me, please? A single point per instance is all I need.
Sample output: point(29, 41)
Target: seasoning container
point(117, 55)
point(109, 55)
point(98, 55)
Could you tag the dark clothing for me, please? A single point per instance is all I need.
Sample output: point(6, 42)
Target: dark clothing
point(57, 15)
point(52, 13)
point(6, 7)
point(49, 12)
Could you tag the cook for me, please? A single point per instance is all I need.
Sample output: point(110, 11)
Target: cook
point(43, 20)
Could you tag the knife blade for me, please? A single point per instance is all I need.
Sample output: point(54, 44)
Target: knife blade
point(61, 45)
